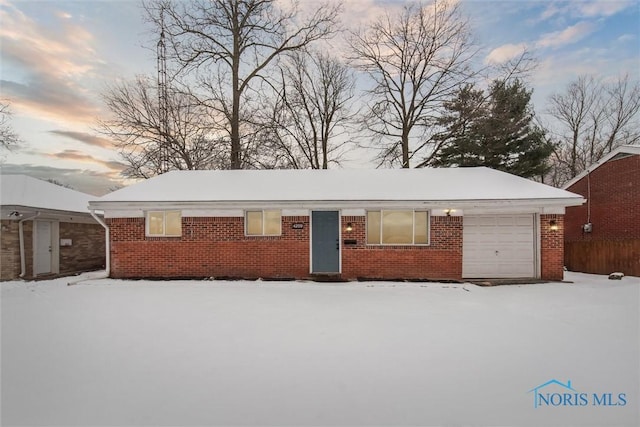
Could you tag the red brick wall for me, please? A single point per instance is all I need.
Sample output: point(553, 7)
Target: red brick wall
point(87, 248)
point(615, 214)
point(442, 259)
point(615, 196)
point(9, 250)
point(218, 247)
point(209, 247)
point(86, 252)
point(552, 247)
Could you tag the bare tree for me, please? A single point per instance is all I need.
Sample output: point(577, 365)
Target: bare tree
point(417, 59)
point(312, 110)
point(519, 67)
point(143, 141)
point(591, 119)
point(8, 137)
point(229, 44)
point(574, 109)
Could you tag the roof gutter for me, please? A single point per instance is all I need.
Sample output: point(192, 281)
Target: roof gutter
point(23, 262)
point(107, 246)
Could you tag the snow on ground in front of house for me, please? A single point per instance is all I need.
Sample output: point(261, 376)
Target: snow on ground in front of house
point(111, 352)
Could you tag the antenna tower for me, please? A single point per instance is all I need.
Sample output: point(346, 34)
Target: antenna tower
point(163, 112)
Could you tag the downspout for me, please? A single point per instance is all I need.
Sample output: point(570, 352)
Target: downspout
point(588, 196)
point(107, 246)
point(23, 261)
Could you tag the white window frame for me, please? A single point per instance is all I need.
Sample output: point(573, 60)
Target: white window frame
point(413, 238)
point(262, 211)
point(164, 223)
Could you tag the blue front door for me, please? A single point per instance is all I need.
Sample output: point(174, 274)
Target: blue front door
point(325, 242)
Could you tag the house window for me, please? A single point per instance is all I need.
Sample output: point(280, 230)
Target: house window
point(164, 223)
point(263, 223)
point(397, 227)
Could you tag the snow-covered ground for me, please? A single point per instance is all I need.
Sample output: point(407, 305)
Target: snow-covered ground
point(133, 353)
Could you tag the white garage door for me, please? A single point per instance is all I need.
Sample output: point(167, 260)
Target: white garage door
point(498, 246)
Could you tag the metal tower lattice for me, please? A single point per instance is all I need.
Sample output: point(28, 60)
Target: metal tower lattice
point(163, 112)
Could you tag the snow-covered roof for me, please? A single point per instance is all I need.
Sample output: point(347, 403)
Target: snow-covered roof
point(22, 190)
point(440, 184)
point(623, 149)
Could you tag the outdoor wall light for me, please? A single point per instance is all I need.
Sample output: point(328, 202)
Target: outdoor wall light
point(15, 214)
point(349, 227)
point(553, 225)
point(449, 211)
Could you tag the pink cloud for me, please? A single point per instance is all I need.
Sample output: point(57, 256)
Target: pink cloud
point(51, 63)
point(85, 137)
point(82, 157)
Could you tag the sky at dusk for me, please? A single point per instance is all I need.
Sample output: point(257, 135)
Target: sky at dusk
point(57, 57)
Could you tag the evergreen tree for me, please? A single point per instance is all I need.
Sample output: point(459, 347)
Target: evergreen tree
point(459, 143)
point(496, 131)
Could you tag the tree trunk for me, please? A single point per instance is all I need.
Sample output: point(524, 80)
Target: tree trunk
point(235, 128)
point(405, 148)
point(235, 88)
point(573, 166)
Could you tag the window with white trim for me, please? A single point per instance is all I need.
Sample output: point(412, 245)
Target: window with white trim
point(397, 227)
point(263, 223)
point(164, 223)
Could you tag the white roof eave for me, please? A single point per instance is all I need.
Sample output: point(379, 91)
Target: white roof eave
point(310, 204)
point(47, 211)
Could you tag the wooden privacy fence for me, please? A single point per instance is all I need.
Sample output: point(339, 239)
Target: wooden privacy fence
point(603, 257)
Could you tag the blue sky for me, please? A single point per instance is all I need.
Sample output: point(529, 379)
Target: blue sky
point(57, 57)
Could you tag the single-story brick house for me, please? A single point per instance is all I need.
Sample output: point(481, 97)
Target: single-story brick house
point(46, 230)
point(377, 224)
point(603, 235)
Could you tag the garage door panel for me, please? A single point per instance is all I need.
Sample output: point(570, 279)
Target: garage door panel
point(498, 246)
point(526, 220)
point(505, 221)
point(486, 222)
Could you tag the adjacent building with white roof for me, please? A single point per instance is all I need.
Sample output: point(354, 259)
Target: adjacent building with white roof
point(46, 230)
